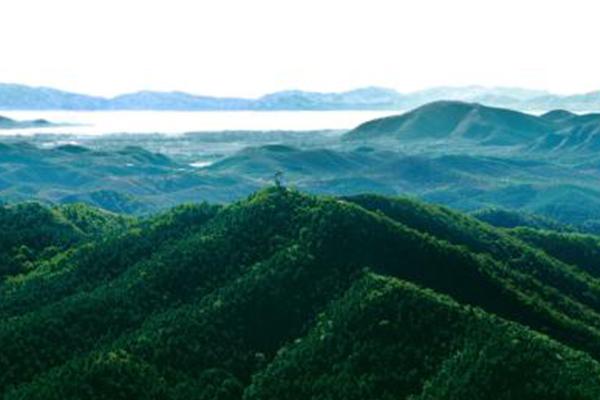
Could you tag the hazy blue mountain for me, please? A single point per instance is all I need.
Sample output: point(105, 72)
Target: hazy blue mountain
point(24, 97)
point(8, 123)
point(552, 132)
point(21, 97)
point(364, 98)
point(148, 100)
point(580, 102)
point(474, 93)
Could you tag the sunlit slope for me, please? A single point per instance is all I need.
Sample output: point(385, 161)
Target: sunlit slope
point(382, 297)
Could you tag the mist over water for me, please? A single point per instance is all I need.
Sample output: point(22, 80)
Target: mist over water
point(177, 122)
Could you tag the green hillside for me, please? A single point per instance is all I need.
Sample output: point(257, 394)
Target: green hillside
point(555, 132)
point(456, 120)
point(286, 295)
point(512, 219)
point(32, 231)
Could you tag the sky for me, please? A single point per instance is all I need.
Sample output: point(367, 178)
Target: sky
point(251, 47)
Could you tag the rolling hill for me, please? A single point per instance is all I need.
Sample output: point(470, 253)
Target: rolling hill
point(123, 177)
point(555, 132)
point(129, 179)
point(455, 120)
point(9, 123)
point(288, 295)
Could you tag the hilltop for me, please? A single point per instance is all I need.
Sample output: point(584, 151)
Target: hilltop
point(455, 120)
point(9, 123)
point(288, 295)
point(553, 132)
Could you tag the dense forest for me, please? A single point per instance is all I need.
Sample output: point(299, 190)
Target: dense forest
point(285, 295)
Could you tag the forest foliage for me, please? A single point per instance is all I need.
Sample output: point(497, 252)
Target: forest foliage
point(288, 295)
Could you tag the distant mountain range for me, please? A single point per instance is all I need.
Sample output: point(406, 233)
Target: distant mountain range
point(21, 97)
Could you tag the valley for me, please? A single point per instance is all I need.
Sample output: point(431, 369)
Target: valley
point(463, 155)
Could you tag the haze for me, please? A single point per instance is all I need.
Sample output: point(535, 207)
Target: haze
point(242, 48)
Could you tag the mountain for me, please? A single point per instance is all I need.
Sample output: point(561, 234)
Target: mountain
point(39, 232)
point(555, 131)
point(455, 120)
point(559, 115)
point(500, 96)
point(8, 123)
point(114, 180)
point(370, 98)
point(576, 134)
point(127, 178)
point(21, 97)
point(263, 161)
point(581, 102)
point(284, 295)
point(148, 100)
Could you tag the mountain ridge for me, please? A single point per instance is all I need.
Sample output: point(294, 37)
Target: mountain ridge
point(283, 294)
point(23, 97)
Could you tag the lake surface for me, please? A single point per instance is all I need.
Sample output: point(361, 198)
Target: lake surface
point(176, 122)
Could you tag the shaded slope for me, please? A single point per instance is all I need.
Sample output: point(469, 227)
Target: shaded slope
point(381, 340)
point(503, 218)
point(206, 311)
point(455, 120)
point(552, 133)
point(32, 232)
point(84, 267)
point(576, 249)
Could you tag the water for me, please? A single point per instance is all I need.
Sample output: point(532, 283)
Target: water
point(176, 122)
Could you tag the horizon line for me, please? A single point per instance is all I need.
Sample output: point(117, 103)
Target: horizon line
point(349, 90)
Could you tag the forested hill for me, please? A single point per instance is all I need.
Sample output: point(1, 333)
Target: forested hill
point(454, 120)
point(289, 296)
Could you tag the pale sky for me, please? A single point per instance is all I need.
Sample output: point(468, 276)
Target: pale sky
point(252, 47)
